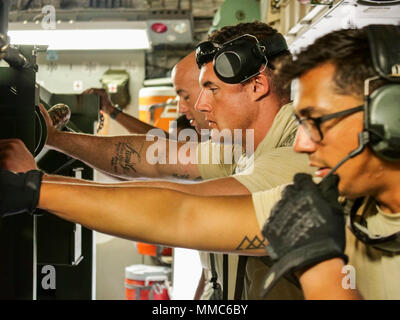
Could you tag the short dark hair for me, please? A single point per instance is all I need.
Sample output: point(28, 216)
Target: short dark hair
point(348, 50)
point(261, 31)
point(258, 29)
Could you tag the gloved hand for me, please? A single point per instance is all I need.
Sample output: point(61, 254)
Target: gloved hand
point(19, 192)
point(306, 226)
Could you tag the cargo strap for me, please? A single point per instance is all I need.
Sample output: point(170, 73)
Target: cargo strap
point(216, 295)
point(241, 271)
point(225, 277)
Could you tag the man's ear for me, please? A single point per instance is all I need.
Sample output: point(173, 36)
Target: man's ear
point(259, 86)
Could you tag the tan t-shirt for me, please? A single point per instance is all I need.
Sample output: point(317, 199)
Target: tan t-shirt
point(377, 273)
point(273, 163)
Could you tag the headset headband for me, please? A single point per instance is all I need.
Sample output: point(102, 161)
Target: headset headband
point(241, 58)
point(385, 50)
point(273, 46)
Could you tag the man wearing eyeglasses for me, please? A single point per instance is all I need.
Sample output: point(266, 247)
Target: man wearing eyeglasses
point(348, 115)
point(255, 102)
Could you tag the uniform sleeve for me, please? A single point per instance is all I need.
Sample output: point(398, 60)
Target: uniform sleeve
point(273, 169)
point(264, 201)
point(211, 160)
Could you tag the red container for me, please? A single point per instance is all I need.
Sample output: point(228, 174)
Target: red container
point(143, 282)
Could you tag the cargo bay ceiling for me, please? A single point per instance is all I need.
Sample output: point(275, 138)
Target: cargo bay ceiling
point(165, 51)
point(201, 13)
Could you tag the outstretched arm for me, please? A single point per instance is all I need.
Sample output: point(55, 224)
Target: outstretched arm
point(130, 123)
point(127, 156)
point(217, 187)
point(220, 224)
point(14, 156)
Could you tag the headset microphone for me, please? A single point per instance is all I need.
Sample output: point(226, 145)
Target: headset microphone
point(363, 139)
point(381, 109)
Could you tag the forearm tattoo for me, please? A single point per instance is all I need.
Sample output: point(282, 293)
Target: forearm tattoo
point(256, 243)
point(125, 158)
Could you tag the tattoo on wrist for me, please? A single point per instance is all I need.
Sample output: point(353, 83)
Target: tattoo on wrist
point(125, 159)
point(255, 243)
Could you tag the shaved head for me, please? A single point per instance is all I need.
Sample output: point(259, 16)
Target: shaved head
point(188, 63)
point(185, 76)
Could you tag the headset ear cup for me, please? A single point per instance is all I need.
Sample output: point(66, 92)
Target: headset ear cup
point(228, 66)
point(384, 122)
point(236, 63)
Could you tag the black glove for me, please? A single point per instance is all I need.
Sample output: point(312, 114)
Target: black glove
point(306, 226)
point(19, 192)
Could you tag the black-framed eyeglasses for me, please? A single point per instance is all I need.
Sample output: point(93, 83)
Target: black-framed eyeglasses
point(312, 125)
point(359, 227)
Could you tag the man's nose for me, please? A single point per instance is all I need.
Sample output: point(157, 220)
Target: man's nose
point(303, 142)
point(201, 104)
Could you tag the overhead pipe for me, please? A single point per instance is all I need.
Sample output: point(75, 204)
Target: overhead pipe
point(4, 9)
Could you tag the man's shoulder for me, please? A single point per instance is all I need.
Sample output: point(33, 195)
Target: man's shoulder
point(283, 156)
point(282, 132)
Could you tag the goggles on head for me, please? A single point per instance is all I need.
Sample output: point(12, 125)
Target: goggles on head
point(240, 59)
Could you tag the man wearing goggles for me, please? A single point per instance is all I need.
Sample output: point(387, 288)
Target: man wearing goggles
point(240, 91)
point(248, 101)
point(220, 224)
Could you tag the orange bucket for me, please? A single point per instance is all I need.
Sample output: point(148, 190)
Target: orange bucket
point(152, 106)
point(143, 282)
